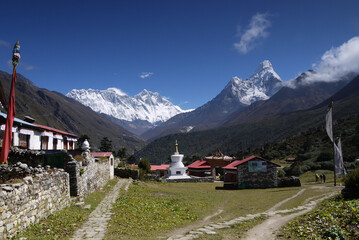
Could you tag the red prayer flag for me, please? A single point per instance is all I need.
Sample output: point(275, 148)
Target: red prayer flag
point(9, 121)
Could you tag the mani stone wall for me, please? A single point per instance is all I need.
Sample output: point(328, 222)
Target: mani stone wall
point(35, 197)
point(257, 179)
point(87, 176)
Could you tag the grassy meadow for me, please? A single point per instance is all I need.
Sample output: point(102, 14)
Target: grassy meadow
point(154, 210)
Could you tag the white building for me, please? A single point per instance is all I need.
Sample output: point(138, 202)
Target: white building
point(33, 136)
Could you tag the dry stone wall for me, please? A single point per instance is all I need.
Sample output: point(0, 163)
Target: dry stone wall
point(87, 176)
point(33, 198)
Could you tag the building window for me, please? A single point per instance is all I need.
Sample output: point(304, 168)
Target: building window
point(54, 143)
point(24, 140)
point(178, 172)
point(44, 142)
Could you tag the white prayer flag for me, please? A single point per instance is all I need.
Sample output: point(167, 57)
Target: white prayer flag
point(338, 158)
point(329, 124)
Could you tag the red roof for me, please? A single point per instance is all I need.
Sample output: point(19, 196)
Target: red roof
point(159, 167)
point(235, 164)
point(199, 164)
point(101, 154)
point(54, 130)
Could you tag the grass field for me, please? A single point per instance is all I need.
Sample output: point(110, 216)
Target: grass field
point(155, 210)
point(152, 210)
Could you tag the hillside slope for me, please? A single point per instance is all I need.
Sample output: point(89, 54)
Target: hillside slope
point(58, 111)
point(255, 133)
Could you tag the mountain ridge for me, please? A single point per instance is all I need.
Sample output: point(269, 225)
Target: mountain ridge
point(236, 95)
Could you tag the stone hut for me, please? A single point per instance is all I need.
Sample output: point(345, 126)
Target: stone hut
point(256, 172)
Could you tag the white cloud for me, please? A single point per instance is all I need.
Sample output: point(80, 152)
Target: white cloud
point(4, 43)
point(144, 75)
point(257, 29)
point(337, 63)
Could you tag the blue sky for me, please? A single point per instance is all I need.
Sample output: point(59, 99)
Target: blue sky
point(187, 50)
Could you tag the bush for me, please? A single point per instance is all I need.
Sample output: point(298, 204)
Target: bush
point(281, 173)
point(145, 165)
point(351, 182)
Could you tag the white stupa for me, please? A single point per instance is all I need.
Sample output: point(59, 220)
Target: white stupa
point(176, 169)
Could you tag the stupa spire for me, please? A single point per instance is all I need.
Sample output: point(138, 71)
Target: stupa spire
point(176, 148)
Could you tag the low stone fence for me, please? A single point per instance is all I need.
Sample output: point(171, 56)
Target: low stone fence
point(192, 179)
point(34, 197)
point(127, 173)
point(289, 182)
point(87, 176)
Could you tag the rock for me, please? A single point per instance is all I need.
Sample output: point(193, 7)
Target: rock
point(87, 206)
point(7, 188)
point(79, 204)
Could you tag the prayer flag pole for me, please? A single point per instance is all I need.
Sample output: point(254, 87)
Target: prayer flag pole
point(11, 108)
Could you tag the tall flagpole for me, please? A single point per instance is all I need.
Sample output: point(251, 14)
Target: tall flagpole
point(11, 108)
point(331, 113)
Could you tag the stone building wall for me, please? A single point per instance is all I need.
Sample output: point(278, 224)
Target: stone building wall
point(248, 179)
point(35, 197)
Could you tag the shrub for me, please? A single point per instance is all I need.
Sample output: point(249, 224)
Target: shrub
point(145, 165)
point(281, 173)
point(351, 182)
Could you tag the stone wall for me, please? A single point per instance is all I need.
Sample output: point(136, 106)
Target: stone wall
point(192, 179)
point(127, 173)
point(88, 175)
point(34, 197)
point(248, 179)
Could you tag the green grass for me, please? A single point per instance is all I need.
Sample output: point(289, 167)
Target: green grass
point(333, 219)
point(62, 224)
point(152, 210)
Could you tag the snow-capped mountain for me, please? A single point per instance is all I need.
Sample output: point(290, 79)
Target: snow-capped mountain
point(237, 94)
point(263, 84)
point(146, 106)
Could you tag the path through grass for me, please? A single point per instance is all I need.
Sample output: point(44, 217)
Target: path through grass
point(152, 210)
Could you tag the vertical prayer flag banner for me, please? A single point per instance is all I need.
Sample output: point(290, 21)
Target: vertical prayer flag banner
point(329, 124)
point(11, 109)
point(338, 159)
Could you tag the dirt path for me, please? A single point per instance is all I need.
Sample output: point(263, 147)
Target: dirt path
point(179, 232)
point(265, 230)
point(95, 227)
point(268, 228)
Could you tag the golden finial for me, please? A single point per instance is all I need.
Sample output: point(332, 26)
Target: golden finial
point(176, 150)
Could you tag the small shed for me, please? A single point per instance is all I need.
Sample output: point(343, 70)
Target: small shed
point(160, 170)
point(199, 168)
point(256, 172)
point(109, 156)
point(231, 173)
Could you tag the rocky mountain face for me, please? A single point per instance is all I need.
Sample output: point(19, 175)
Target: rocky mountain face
point(297, 95)
point(56, 110)
point(137, 114)
point(238, 94)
